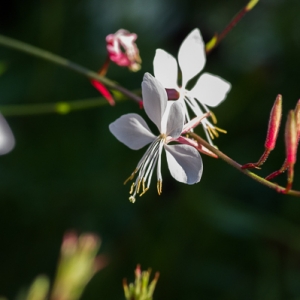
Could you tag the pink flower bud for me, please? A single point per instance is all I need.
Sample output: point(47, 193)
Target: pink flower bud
point(122, 49)
point(291, 141)
point(297, 116)
point(104, 91)
point(274, 123)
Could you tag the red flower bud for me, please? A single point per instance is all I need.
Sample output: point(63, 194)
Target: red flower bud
point(297, 116)
point(274, 123)
point(291, 141)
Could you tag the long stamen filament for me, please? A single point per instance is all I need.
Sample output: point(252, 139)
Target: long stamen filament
point(145, 169)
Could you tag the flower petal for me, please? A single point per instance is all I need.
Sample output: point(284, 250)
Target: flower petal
point(165, 69)
point(154, 98)
point(7, 140)
point(210, 89)
point(185, 163)
point(175, 120)
point(191, 56)
point(132, 130)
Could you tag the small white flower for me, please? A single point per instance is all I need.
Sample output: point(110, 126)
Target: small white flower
point(185, 163)
point(209, 90)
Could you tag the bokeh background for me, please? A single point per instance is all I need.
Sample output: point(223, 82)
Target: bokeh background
point(226, 237)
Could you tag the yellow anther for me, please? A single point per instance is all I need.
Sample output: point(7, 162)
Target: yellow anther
point(213, 131)
point(131, 199)
point(143, 182)
point(209, 132)
point(138, 186)
point(144, 191)
point(220, 130)
point(131, 188)
point(213, 117)
point(159, 187)
point(130, 177)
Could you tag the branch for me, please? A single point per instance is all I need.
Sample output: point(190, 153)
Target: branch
point(236, 165)
point(37, 52)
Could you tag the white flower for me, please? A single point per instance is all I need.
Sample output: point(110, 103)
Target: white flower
point(185, 163)
point(7, 140)
point(209, 90)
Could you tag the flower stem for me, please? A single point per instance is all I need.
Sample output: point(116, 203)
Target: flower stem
point(57, 107)
point(217, 38)
point(46, 55)
point(236, 165)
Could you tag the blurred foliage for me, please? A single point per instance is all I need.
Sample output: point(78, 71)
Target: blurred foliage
point(77, 265)
point(224, 238)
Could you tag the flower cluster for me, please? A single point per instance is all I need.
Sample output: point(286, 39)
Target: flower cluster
point(172, 117)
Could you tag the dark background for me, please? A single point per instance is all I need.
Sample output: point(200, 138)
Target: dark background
point(226, 237)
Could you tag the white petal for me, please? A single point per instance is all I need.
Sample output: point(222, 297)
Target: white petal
point(154, 99)
point(7, 140)
point(132, 130)
point(191, 56)
point(175, 120)
point(210, 89)
point(165, 69)
point(185, 163)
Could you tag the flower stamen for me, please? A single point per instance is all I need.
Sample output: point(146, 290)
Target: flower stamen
point(159, 187)
point(210, 132)
point(131, 176)
point(213, 131)
point(146, 189)
point(132, 199)
point(213, 117)
point(131, 188)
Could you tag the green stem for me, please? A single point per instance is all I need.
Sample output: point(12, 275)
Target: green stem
point(57, 107)
point(236, 165)
point(217, 38)
point(26, 48)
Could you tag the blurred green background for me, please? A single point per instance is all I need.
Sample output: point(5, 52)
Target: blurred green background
point(226, 237)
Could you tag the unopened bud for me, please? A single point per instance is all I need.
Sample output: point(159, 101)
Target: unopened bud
point(297, 116)
point(291, 141)
point(274, 123)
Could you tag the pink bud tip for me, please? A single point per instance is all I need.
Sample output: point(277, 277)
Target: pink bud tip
point(274, 123)
point(291, 142)
point(104, 91)
point(138, 271)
